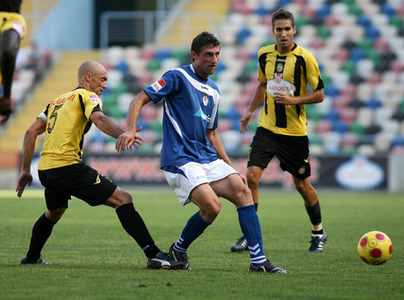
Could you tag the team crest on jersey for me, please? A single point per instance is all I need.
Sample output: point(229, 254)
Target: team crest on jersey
point(95, 99)
point(158, 85)
point(205, 100)
point(279, 68)
point(302, 169)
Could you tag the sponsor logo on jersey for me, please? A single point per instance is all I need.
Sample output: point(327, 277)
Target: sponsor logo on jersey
point(202, 115)
point(283, 86)
point(205, 100)
point(278, 77)
point(158, 85)
point(95, 99)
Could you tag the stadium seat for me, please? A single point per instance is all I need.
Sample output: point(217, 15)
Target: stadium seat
point(360, 49)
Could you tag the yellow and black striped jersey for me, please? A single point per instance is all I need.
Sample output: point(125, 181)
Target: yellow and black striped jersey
point(290, 73)
point(67, 120)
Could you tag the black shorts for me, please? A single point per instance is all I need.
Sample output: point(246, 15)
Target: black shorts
point(291, 151)
point(78, 180)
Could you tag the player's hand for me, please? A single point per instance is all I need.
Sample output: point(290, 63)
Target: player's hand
point(5, 110)
point(24, 179)
point(138, 141)
point(128, 139)
point(282, 98)
point(244, 122)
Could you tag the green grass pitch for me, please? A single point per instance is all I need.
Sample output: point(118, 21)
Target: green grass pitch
point(94, 258)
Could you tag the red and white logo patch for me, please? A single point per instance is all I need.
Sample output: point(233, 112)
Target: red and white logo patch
point(19, 27)
point(158, 85)
point(95, 99)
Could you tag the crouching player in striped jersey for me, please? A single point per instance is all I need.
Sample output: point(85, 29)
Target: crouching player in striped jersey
point(63, 174)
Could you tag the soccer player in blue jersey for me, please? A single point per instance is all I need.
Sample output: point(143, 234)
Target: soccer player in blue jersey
point(193, 158)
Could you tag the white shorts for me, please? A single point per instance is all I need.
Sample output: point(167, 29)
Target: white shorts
point(183, 179)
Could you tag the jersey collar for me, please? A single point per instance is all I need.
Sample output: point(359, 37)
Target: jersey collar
point(197, 76)
point(293, 48)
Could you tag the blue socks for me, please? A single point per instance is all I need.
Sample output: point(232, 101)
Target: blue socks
point(251, 228)
point(196, 225)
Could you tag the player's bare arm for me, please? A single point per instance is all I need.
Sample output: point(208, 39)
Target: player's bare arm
point(214, 139)
point(128, 138)
point(310, 98)
point(25, 178)
point(257, 99)
point(106, 125)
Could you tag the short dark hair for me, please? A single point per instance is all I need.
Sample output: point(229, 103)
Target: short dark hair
point(203, 39)
point(282, 14)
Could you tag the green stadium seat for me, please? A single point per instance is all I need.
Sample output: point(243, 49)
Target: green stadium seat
point(154, 65)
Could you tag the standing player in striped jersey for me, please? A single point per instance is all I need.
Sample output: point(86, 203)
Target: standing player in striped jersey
point(285, 71)
point(195, 163)
point(61, 171)
point(12, 29)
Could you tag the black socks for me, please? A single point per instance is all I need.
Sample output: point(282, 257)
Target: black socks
point(133, 223)
point(40, 234)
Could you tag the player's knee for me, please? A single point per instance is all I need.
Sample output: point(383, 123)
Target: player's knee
point(124, 197)
point(54, 215)
point(211, 210)
point(244, 196)
point(252, 180)
point(302, 186)
point(118, 198)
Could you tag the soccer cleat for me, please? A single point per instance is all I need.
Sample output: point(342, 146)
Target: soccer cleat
point(240, 245)
point(163, 261)
point(180, 257)
point(317, 242)
point(39, 261)
point(267, 267)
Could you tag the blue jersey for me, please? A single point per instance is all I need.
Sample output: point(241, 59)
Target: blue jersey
point(190, 108)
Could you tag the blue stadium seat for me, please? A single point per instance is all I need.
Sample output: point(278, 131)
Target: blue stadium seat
point(356, 44)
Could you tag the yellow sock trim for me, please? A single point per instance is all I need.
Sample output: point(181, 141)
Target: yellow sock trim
point(317, 227)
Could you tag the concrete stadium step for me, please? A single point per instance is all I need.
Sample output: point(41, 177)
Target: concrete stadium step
point(182, 33)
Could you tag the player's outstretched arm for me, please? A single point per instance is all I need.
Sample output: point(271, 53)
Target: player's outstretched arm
point(25, 178)
point(126, 139)
point(106, 125)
